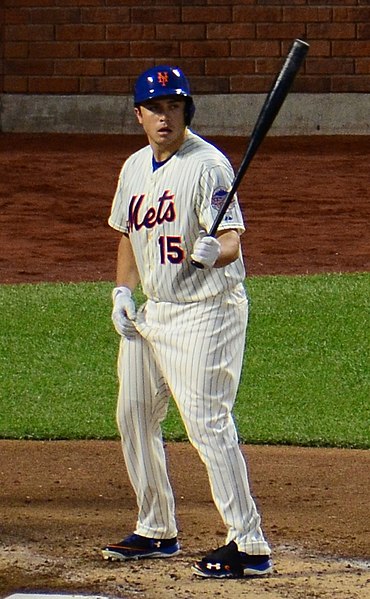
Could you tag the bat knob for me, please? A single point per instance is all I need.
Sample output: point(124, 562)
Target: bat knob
point(197, 264)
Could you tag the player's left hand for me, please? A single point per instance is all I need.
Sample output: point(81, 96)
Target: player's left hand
point(206, 250)
point(124, 312)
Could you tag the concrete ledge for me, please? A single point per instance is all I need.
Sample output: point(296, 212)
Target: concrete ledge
point(232, 114)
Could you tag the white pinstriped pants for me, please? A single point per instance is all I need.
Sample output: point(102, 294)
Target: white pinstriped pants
point(194, 351)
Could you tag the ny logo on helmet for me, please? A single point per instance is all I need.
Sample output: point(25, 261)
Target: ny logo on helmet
point(162, 78)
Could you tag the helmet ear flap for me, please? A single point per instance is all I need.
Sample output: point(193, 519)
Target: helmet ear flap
point(189, 110)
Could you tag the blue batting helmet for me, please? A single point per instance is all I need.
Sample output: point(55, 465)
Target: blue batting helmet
point(164, 80)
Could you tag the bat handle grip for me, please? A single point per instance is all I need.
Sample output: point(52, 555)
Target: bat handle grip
point(197, 264)
point(212, 233)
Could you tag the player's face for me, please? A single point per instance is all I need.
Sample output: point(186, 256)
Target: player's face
point(163, 121)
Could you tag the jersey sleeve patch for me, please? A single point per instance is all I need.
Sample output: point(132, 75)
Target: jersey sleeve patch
point(218, 198)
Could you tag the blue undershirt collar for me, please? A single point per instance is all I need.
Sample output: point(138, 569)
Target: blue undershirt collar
point(156, 165)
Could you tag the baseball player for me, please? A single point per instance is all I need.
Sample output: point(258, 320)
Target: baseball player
point(187, 340)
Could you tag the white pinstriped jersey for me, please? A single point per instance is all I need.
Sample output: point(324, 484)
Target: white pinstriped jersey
point(163, 212)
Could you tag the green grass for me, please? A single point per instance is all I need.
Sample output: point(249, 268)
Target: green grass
point(57, 361)
point(305, 378)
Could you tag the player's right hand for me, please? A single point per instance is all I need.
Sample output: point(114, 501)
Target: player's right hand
point(206, 251)
point(124, 312)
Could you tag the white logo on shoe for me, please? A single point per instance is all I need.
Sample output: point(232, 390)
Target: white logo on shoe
point(214, 566)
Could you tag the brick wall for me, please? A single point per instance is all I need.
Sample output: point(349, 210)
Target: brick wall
point(235, 46)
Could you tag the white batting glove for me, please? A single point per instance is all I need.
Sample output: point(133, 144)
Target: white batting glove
point(124, 312)
point(206, 250)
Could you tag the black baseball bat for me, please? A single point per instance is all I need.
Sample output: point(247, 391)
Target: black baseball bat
point(267, 115)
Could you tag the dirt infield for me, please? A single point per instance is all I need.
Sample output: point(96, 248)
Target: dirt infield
point(306, 202)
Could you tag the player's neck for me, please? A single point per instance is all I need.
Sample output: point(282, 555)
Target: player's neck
point(163, 152)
